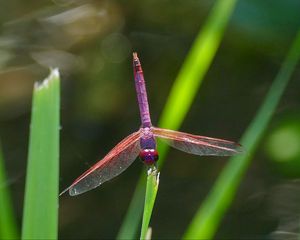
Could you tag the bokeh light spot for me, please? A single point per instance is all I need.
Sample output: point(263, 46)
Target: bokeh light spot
point(284, 143)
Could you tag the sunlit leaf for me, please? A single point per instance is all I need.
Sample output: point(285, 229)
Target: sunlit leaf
point(40, 218)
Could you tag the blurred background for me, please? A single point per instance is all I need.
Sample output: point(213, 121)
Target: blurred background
point(91, 42)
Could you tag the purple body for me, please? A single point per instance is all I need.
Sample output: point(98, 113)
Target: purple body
point(141, 92)
point(148, 145)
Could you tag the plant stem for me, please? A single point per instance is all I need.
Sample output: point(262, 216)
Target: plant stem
point(151, 192)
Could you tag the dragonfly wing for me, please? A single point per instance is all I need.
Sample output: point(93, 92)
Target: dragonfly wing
point(114, 163)
point(198, 145)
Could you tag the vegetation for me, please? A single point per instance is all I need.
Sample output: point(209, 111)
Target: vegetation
point(41, 202)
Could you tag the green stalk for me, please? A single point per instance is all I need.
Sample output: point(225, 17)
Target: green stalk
point(40, 218)
point(151, 192)
point(209, 215)
point(183, 93)
point(8, 227)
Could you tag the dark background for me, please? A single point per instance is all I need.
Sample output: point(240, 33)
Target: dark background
point(91, 42)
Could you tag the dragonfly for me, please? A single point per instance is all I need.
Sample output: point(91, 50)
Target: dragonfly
point(142, 143)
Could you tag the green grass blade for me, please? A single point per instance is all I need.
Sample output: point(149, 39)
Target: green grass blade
point(151, 191)
point(208, 217)
point(8, 227)
point(40, 218)
point(196, 65)
point(184, 91)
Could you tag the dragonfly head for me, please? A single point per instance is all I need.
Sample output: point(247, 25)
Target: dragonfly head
point(149, 156)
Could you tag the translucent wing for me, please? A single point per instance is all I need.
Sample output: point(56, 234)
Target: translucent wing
point(114, 163)
point(198, 145)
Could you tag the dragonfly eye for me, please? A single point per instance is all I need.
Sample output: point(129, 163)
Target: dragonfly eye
point(149, 156)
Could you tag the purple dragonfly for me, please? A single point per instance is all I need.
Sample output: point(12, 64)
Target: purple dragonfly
point(142, 143)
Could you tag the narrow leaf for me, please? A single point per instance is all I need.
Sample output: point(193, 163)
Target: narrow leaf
point(40, 216)
point(151, 191)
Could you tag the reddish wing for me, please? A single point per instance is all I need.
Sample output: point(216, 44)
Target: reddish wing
point(198, 145)
point(114, 163)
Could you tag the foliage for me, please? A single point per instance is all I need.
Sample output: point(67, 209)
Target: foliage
point(40, 218)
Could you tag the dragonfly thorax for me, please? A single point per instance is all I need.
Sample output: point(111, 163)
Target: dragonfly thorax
point(149, 156)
